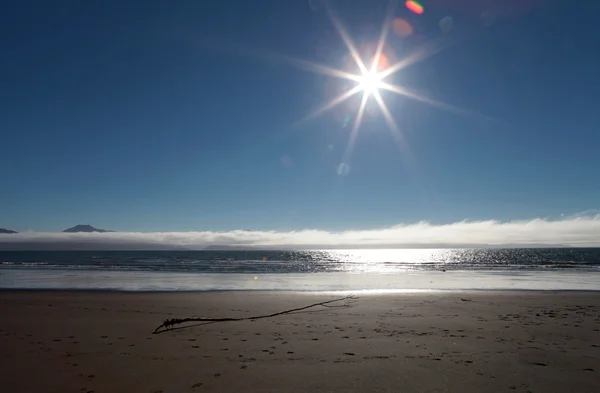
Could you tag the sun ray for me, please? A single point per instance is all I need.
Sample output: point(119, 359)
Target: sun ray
point(403, 147)
point(423, 53)
point(395, 131)
point(383, 37)
point(349, 44)
point(332, 104)
point(321, 69)
point(268, 55)
point(354, 132)
point(418, 97)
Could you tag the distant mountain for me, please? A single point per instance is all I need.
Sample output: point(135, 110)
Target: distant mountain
point(85, 228)
point(7, 231)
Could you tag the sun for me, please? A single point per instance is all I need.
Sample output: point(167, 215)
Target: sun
point(370, 82)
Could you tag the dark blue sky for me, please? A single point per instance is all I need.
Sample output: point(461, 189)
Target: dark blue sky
point(179, 115)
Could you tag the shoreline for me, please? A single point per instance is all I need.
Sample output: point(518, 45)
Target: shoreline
point(364, 292)
point(419, 281)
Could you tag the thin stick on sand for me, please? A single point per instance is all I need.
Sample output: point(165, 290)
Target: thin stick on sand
point(168, 323)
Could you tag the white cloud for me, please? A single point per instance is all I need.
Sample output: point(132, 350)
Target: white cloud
point(572, 231)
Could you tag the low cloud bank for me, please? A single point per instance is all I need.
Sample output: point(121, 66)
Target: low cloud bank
point(573, 231)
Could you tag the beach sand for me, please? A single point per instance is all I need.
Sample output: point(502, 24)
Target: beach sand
point(440, 342)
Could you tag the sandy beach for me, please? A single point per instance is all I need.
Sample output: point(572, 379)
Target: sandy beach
point(439, 342)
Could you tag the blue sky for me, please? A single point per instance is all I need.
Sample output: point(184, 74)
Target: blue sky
point(179, 116)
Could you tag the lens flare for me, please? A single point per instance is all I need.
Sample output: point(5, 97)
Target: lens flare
point(446, 24)
point(402, 28)
point(379, 63)
point(414, 7)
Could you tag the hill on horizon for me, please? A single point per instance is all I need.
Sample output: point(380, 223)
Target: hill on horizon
point(7, 231)
point(85, 228)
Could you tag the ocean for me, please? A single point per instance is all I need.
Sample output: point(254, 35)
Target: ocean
point(307, 270)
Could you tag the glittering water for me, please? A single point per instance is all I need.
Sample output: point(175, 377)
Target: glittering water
point(310, 261)
point(359, 271)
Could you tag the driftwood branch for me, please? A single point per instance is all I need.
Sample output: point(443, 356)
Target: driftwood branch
point(168, 323)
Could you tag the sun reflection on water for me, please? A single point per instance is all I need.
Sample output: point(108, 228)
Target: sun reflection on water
point(389, 260)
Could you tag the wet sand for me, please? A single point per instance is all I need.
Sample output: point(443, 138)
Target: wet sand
point(439, 342)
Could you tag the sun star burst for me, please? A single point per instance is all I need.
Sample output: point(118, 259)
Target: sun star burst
point(370, 81)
